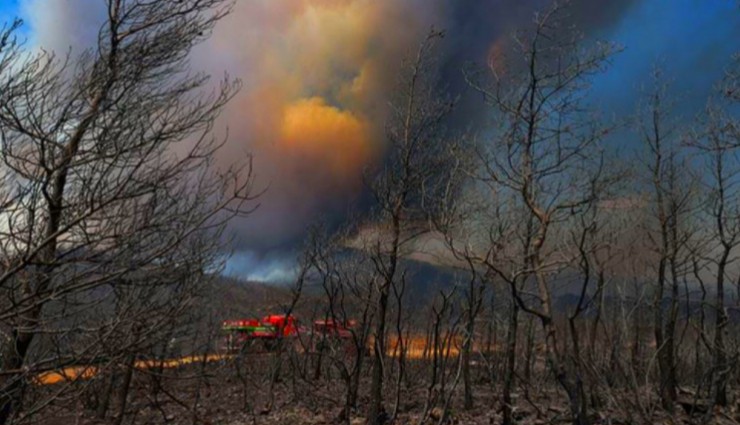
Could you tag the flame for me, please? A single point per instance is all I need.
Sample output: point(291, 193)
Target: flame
point(419, 348)
point(86, 372)
point(414, 348)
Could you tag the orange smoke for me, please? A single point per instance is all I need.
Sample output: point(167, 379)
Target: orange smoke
point(316, 77)
point(337, 140)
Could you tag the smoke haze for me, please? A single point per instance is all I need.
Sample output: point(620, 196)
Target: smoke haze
point(317, 75)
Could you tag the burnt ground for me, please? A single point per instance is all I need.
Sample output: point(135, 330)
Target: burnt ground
point(223, 398)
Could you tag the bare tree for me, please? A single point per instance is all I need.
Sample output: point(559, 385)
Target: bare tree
point(717, 146)
point(474, 303)
point(414, 140)
point(670, 204)
point(343, 275)
point(107, 162)
point(545, 167)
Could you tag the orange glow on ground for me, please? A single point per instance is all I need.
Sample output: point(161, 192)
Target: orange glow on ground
point(417, 348)
point(86, 372)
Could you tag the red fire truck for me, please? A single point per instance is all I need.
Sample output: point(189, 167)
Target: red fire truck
point(263, 334)
point(258, 334)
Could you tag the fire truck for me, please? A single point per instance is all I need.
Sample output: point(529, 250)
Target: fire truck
point(263, 334)
point(258, 334)
point(334, 335)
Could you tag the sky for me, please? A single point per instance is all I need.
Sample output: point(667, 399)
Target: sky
point(8, 10)
point(691, 40)
point(318, 74)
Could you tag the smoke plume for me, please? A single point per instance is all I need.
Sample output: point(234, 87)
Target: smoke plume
point(317, 75)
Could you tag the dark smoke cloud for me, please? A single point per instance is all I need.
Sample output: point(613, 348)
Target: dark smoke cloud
point(477, 29)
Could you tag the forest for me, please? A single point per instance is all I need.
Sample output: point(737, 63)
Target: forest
point(522, 269)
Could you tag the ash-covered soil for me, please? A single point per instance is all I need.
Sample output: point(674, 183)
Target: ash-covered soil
point(221, 393)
